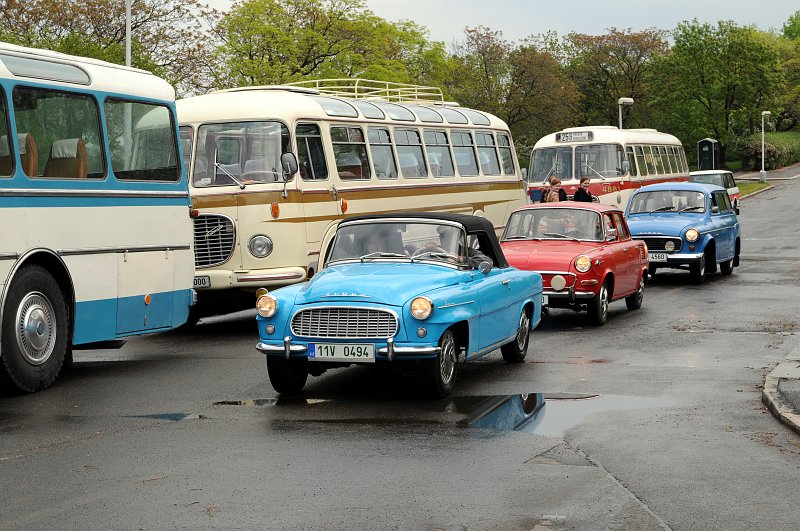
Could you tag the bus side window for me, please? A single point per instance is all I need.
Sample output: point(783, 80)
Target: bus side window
point(350, 152)
point(380, 147)
point(490, 165)
point(463, 147)
point(505, 154)
point(631, 160)
point(311, 156)
point(6, 156)
point(409, 152)
point(438, 151)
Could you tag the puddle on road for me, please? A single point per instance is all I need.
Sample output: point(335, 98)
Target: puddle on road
point(547, 414)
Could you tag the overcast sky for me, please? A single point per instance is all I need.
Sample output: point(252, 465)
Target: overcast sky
point(517, 19)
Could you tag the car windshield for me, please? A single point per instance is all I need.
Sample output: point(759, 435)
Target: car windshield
point(714, 178)
point(554, 224)
point(395, 240)
point(667, 201)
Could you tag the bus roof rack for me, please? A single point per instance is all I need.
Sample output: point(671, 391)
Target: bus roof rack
point(371, 89)
point(299, 89)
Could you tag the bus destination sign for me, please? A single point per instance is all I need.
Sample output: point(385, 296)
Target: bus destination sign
point(575, 136)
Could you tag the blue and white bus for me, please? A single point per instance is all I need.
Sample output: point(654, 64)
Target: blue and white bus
point(96, 240)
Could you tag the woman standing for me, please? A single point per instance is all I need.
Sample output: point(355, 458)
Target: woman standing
point(555, 193)
point(582, 193)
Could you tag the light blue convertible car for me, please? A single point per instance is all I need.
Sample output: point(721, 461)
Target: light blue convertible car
point(686, 225)
point(424, 290)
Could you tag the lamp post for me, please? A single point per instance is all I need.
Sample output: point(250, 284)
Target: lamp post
point(763, 175)
point(620, 103)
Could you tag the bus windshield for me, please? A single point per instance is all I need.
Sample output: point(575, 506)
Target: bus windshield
point(551, 162)
point(599, 160)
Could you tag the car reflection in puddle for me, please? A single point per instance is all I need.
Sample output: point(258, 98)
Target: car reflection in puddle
point(550, 415)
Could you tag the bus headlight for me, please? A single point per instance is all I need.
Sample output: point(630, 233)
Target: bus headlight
point(267, 306)
point(583, 263)
point(692, 235)
point(421, 308)
point(260, 246)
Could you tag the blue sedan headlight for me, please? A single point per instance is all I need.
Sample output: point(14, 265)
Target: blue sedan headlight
point(421, 308)
point(692, 235)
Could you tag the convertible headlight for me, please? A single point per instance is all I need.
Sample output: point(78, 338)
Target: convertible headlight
point(267, 305)
point(692, 235)
point(583, 263)
point(260, 246)
point(421, 308)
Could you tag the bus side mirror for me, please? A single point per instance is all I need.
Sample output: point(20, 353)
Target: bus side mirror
point(524, 174)
point(626, 167)
point(289, 165)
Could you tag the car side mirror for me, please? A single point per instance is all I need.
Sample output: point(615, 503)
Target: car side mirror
point(484, 267)
point(289, 165)
point(715, 209)
point(611, 235)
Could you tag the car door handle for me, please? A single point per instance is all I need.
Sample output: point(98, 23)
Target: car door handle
point(506, 281)
point(625, 249)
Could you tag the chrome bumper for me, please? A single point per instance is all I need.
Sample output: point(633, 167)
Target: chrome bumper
point(570, 294)
point(390, 350)
point(287, 349)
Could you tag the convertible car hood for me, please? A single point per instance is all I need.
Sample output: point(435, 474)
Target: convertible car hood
point(545, 255)
point(390, 283)
point(662, 224)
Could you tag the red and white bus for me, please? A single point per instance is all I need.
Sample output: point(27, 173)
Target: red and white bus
point(616, 160)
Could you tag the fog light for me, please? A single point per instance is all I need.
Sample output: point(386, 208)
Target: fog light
point(270, 329)
point(558, 283)
point(669, 246)
point(421, 332)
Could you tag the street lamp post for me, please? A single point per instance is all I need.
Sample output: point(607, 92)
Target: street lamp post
point(763, 175)
point(620, 103)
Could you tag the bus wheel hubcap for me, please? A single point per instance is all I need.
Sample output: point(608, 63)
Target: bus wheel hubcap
point(36, 328)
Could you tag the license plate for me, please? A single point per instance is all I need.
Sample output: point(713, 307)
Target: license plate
point(355, 353)
point(544, 300)
point(202, 282)
point(658, 257)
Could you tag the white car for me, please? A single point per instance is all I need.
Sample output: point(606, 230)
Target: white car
point(721, 178)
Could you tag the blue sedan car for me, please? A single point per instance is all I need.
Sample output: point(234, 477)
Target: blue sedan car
point(423, 290)
point(686, 226)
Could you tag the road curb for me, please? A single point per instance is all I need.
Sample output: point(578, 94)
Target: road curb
point(769, 187)
point(771, 396)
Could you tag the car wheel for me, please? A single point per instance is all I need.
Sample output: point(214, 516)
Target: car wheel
point(287, 376)
point(652, 270)
point(515, 351)
point(438, 376)
point(726, 268)
point(598, 307)
point(634, 302)
point(697, 271)
point(34, 331)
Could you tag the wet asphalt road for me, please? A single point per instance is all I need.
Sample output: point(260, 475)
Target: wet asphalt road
point(182, 430)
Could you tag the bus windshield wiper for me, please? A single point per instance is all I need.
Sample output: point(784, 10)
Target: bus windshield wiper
point(229, 174)
point(594, 171)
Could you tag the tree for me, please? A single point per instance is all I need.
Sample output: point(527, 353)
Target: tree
point(715, 81)
point(169, 37)
point(791, 29)
point(608, 67)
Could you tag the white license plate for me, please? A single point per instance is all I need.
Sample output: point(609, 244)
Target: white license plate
point(544, 300)
point(202, 282)
point(658, 257)
point(354, 353)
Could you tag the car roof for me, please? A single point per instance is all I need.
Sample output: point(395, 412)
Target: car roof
point(681, 186)
point(577, 205)
point(709, 172)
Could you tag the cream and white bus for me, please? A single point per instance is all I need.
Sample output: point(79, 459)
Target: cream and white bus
point(617, 161)
point(271, 168)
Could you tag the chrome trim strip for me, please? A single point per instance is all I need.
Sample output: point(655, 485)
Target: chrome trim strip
point(494, 346)
point(49, 192)
point(567, 295)
point(9, 256)
point(113, 250)
point(453, 305)
point(264, 348)
point(670, 257)
point(409, 350)
point(555, 273)
point(233, 243)
point(276, 276)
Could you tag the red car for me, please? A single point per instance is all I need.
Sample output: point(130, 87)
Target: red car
point(584, 253)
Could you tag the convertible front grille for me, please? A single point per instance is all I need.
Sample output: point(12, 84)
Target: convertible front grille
point(344, 323)
point(657, 243)
point(214, 237)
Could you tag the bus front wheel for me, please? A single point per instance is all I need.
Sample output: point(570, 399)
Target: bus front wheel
point(34, 329)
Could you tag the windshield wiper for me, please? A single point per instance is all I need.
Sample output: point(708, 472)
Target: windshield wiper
point(661, 209)
point(594, 171)
point(684, 209)
point(229, 174)
point(557, 235)
point(381, 254)
point(434, 254)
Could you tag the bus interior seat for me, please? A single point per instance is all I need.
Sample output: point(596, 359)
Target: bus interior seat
point(28, 154)
point(435, 163)
point(485, 164)
point(410, 165)
point(221, 177)
point(348, 164)
point(5, 156)
point(67, 159)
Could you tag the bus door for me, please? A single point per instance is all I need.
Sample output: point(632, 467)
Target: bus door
point(140, 308)
point(321, 195)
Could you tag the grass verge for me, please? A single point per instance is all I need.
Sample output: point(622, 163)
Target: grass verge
point(749, 188)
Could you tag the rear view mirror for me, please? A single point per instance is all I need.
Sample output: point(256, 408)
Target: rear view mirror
point(289, 164)
point(524, 174)
point(485, 267)
point(715, 209)
point(626, 167)
point(611, 235)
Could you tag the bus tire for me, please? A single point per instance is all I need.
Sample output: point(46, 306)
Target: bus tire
point(35, 328)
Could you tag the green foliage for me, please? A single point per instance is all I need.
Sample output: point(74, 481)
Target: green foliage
point(791, 29)
point(780, 150)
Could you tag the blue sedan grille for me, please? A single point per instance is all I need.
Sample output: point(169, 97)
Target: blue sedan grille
point(344, 323)
point(657, 243)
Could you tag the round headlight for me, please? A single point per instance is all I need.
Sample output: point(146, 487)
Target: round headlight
point(692, 235)
point(267, 305)
point(421, 308)
point(583, 263)
point(669, 245)
point(260, 246)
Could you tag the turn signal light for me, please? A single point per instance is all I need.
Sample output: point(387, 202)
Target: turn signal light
point(275, 210)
